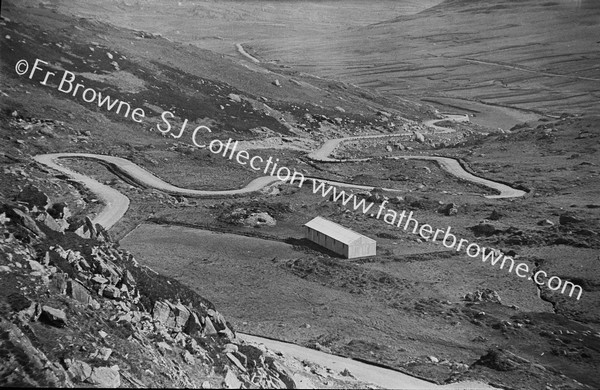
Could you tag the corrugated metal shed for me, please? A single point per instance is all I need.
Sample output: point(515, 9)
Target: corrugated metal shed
point(339, 239)
point(335, 231)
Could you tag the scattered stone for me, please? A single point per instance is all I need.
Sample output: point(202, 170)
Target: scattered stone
point(102, 353)
point(485, 295)
point(433, 359)
point(47, 131)
point(340, 109)
point(188, 357)
point(449, 209)
point(4, 219)
point(54, 317)
point(163, 346)
point(231, 381)
point(79, 371)
point(35, 266)
point(230, 348)
point(419, 137)
point(236, 361)
point(277, 83)
point(112, 292)
point(384, 113)
point(260, 219)
point(234, 98)
point(4, 268)
point(105, 377)
point(206, 385)
point(99, 279)
point(545, 222)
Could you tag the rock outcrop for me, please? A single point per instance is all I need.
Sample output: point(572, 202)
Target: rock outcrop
point(100, 318)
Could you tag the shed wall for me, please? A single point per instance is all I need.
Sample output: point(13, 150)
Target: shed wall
point(360, 248)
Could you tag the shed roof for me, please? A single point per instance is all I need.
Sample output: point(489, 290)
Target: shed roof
point(335, 231)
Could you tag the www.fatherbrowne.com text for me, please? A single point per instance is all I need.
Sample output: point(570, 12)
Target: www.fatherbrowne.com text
point(69, 85)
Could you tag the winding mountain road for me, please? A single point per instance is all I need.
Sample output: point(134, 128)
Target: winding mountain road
point(450, 165)
point(117, 205)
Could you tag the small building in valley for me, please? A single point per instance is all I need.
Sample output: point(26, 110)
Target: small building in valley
point(339, 239)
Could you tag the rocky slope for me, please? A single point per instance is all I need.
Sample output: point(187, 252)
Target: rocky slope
point(76, 310)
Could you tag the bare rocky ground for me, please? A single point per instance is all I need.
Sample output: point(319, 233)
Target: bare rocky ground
point(404, 308)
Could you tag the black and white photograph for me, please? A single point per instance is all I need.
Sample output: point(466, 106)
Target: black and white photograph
point(300, 194)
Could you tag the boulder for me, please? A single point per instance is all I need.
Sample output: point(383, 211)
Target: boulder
point(78, 292)
point(59, 211)
point(209, 328)
point(103, 234)
point(495, 216)
point(498, 360)
point(112, 292)
point(484, 228)
point(419, 137)
point(58, 283)
point(276, 83)
point(193, 326)
point(51, 223)
point(54, 317)
point(569, 218)
point(99, 279)
point(161, 312)
point(24, 220)
point(89, 227)
point(188, 357)
point(181, 316)
point(79, 371)
point(231, 381)
point(105, 377)
point(35, 266)
point(47, 131)
point(33, 197)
